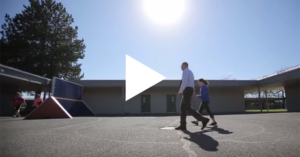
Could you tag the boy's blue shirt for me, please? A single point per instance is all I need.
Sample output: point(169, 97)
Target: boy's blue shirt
point(203, 94)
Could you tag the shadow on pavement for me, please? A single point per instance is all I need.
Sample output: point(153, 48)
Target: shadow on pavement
point(217, 129)
point(203, 141)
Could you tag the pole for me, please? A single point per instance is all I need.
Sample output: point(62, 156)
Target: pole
point(44, 97)
point(266, 93)
point(283, 99)
point(123, 99)
point(259, 98)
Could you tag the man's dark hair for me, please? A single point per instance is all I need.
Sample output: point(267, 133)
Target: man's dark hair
point(185, 63)
point(204, 81)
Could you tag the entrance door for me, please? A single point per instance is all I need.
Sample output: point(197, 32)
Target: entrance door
point(146, 104)
point(171, 103)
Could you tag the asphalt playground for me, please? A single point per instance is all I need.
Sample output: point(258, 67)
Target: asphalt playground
point(248, 135)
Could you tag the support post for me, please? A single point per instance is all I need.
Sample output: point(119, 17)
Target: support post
point(283, 100)
point(123, 99)
point(259, 98)
point(123, 95)
point(266, 93)
point(44, 97)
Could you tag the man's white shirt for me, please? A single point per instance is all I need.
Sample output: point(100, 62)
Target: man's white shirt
point(187, 80)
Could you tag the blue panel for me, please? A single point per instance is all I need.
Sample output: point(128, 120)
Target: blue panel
point(76, 108)
point(65, 89)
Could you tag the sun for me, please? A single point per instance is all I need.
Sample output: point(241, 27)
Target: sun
point(164, 12)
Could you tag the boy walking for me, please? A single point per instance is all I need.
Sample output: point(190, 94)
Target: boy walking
point(204, 96)
point(17, 102)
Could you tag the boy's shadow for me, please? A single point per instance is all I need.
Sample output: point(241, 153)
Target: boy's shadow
point(204, 141)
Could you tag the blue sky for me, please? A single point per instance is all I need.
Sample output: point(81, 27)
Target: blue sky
point(243, 38)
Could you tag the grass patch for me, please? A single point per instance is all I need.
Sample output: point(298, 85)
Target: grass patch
point(270, 110)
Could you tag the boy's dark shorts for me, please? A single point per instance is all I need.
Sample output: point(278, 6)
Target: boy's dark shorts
point(16, 108)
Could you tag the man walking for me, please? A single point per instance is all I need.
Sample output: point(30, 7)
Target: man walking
point(186, 91)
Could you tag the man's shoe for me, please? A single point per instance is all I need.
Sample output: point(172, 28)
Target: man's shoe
point(195, 122)
point(180, 128)
point(204, 123)
point(213, 124)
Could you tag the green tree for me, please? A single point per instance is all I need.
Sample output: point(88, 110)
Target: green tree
point(42, 40)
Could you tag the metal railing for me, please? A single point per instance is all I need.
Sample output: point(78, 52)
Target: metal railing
point(280, 72)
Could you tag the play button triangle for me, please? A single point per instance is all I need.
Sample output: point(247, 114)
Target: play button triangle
point(139, 77)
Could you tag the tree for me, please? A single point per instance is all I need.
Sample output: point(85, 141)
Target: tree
point(41, 40)
point(229, 77)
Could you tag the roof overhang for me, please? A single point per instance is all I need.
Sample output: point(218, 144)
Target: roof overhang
point(277, 82)
point(281, 78)
point(166, 83)
point(19, 83)
point(15, 78)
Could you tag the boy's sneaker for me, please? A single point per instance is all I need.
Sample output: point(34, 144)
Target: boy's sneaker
point(213, 124)
point(14, 116)
point(195, 122)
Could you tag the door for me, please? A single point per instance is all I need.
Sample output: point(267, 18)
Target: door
point(146, 104)
point(171, 103)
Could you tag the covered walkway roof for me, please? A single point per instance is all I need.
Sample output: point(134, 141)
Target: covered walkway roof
point(166, 83)
point(277, 81)
point(24, 81)
point(10, 77)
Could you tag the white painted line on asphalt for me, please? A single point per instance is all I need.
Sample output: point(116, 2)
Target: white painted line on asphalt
point(186, 145)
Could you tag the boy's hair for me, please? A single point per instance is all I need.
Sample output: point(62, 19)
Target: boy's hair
point(204, 81)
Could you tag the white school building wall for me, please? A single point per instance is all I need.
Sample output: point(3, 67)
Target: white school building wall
point(111, 101)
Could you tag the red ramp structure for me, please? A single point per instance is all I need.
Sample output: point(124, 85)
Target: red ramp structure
point(49, 109)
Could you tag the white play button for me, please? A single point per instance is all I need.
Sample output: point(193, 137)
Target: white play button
point(139, 77)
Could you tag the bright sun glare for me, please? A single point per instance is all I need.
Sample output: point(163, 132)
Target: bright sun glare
point(164, 11)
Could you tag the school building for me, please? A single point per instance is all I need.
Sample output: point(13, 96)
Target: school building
point(107, 97)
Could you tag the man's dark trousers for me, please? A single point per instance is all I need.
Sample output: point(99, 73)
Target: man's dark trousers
point(186, 106)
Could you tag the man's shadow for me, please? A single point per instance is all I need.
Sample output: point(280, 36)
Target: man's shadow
point(217, 129)
point(204, 141)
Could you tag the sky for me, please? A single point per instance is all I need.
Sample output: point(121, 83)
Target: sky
point(241, 39)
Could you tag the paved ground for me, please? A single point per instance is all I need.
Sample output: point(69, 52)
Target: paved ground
point(257, 135)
